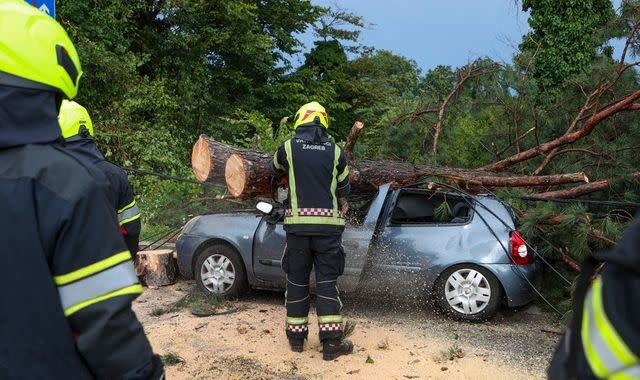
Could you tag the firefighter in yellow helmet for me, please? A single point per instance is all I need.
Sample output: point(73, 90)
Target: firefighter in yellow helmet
point(67, 276)
point(318, 178)
point(77, 130)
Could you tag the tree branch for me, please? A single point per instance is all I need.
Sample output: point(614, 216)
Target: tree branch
point(351, 139)
point(582, 189)
point(568, 138)
point(470, 72)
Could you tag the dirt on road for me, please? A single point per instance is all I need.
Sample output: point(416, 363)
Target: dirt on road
point(392, 341)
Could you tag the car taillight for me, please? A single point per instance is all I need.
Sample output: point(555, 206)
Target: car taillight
point(519, 251)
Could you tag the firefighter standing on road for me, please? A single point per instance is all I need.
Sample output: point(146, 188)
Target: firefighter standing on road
point(318, 178)
point(77, 130)
point(67, 278)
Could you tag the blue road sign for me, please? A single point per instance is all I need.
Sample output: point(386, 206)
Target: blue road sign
point(47, 6)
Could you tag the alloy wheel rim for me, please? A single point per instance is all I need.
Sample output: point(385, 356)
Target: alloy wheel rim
point(217, 273)
point(467, 291)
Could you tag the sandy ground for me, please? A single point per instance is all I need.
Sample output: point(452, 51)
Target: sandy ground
point(404, 342)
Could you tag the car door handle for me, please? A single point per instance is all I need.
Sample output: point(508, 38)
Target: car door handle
point(270, 263)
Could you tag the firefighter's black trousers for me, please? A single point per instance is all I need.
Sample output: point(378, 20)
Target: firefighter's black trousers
point(325, 253)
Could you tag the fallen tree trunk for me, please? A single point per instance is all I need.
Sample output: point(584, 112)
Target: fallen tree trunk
point(245, 171)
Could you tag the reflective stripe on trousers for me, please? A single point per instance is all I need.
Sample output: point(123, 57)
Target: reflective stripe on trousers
point(606, 351)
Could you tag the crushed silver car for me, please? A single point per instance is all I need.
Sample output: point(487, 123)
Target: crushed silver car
point(461, 251)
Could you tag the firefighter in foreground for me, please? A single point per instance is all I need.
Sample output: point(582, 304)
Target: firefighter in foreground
point(67, 276)
point(318, 178)
point(77, 130)
point(603, 341)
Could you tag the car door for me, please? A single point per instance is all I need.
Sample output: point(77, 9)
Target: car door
point(270, 238)
point(413, 242)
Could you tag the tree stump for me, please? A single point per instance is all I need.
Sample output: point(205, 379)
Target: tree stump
point(156, 267)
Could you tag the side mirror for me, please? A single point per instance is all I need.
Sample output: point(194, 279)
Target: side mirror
point(265, 207)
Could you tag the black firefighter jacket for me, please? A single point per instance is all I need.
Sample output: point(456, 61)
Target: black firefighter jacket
point(120, 191)
point(66, 276)
point(318, 176)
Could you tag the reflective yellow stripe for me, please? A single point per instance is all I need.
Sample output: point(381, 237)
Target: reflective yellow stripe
point(592, 356)
point(297, 320)
point(606, 351)
point(314, 220)
point(109, 280)
point(329, 318)
point(125, 221)
point(292, 179)
point(93, 268)
point(127, 206)
point(133, 289)
point(631, 373)
point(345, 174)
point(334, 182)
point(276, 164)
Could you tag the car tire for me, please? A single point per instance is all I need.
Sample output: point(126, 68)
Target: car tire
point(219, 270)
point(468, 292)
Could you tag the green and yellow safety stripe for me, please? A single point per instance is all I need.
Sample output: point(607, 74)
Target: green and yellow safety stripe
point(107, 278)
point(331, 220)
point(607, 353)
point(297, 320)
point(344, 175)
point(329, 318)
point(292, 179)
point(128, 213)
point(276, 163)
point(334, 180)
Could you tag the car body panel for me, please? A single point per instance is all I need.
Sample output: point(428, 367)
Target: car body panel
point(236, 230)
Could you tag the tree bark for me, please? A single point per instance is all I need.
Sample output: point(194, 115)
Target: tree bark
point(156, 267)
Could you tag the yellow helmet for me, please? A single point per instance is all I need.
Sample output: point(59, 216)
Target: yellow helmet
point(35, 51)
point(311, 113)
point(74, 121)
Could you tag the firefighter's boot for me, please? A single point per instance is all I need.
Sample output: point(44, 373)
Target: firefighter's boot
point(296, 344)
point(332, 348)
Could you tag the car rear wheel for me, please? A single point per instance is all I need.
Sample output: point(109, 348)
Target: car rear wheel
point(219, 270)
point(468, 292)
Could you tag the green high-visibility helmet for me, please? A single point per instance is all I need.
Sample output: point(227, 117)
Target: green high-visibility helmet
point(35, 51)
point(74, 120)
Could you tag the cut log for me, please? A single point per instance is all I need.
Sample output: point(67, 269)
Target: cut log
point(248, 175)
point(156, 267)
point(209, 157)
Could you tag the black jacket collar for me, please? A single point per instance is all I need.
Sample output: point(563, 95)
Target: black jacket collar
point(28, 116)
